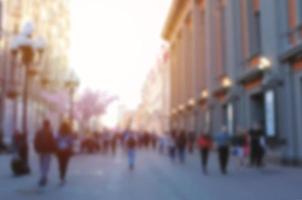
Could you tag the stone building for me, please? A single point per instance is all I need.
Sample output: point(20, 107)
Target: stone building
point(153, 112)
point(50, 19)
point(235, 63)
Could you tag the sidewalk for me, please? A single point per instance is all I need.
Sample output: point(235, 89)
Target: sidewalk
point(97, 177)
point(273, 182)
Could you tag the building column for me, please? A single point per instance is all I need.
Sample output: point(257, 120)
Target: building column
point(198, 62)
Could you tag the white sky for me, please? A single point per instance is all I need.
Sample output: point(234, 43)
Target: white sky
point(114, 43)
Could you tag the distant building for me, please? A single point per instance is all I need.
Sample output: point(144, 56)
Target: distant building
point(154, 108)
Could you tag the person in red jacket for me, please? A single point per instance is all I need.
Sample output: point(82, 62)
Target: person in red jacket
point(205, 145)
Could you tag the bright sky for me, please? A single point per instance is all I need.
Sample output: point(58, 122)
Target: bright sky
point(114, 43)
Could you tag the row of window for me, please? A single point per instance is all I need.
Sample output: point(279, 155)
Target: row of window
point(250, 27)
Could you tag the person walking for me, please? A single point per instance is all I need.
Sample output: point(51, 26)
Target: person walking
point(44, 144)
point(64, 149)
point(223, 142)
point(205, 145)
point(240, 143)
point(171, 143)
point(131, 143)
point(181, 146)
point(257, 144)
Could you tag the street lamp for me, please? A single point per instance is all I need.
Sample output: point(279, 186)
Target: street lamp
point(264, 63)
point(13, 92)
point(204, 94)
point(27, 48)
point(226, 82)
point(72, 83)
point(191, 103)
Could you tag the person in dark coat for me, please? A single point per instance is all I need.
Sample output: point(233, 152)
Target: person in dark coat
point(241, 145)
point(45, 146)
point(205, 144)
point(256, 145)
point(181, 146)
point(223, 143)
point(64, 149)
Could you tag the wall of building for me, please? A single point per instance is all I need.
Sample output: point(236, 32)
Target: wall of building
point(245, 58)
point(153, 113)
point(51, 21)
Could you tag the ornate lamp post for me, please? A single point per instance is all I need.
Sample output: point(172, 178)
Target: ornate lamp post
point(71, 84)
point(29, 51)
point(13, 92)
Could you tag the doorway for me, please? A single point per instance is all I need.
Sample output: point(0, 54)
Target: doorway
point(258, 109)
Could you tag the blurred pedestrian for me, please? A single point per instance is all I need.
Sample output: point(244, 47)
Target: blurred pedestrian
point(3, 147)
point(181, 146)
point(171, 143)
point(223, 142)
point(205, 145)
point(131, 146)
point(45, 146)
point(64, 149)
point(240, 143)
point(162, 143)
point(257, 144)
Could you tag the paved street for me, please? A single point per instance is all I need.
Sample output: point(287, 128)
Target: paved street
point(155, 178)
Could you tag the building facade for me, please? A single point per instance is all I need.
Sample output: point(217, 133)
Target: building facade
point(50, 19)
point(235, 63)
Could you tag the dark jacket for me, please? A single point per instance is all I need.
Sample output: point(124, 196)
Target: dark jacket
point(44, 141)
point(182, 141)
point(131, 142)
point(255, 136)
point(239, 140)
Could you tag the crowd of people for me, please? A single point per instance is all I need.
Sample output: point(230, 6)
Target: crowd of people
point(62, 145)
point(176, 144)
point(243, 145)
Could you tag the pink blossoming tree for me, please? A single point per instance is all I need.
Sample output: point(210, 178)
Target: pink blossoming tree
point(91, 104)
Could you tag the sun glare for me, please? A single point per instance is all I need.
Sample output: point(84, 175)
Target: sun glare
point(114, 44)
